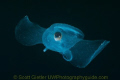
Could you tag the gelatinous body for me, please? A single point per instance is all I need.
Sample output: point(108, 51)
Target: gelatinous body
point(62, 38)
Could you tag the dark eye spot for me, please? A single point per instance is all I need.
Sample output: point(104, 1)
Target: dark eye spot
point(57, 36)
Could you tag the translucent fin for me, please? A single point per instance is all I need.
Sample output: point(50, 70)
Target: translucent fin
point(85, 51)
point(28, 33)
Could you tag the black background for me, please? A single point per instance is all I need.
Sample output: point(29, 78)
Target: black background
point(95, 19)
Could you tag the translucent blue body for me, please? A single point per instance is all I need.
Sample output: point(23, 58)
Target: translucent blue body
point(72, 46)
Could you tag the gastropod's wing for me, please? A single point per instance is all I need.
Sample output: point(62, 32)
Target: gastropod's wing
point(85, 51)
point(28, 33)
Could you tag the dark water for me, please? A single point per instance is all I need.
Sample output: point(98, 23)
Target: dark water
point(95, 19)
